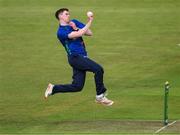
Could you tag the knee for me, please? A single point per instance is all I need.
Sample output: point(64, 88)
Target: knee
point(100, 70)
point(79, 87)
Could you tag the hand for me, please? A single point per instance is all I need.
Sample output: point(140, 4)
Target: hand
point(73, 25)
point(90, 18)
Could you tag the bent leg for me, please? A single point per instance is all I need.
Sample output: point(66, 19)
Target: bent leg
point(98, 76)
point(89, 65)
point(77, 83)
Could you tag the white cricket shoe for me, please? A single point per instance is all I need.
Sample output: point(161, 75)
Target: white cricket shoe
point(48, 91)
point(104, 100)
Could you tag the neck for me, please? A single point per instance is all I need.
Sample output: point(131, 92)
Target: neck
point(63, 23)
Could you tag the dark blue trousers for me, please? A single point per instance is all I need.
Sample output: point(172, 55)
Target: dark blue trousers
point(80, 66)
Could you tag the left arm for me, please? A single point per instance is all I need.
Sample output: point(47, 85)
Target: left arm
point(88, 33)
point(78, 25)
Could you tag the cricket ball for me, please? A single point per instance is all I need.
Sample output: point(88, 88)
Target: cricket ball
point(89, 14)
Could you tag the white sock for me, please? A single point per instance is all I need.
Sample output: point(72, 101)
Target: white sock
point(99, 97)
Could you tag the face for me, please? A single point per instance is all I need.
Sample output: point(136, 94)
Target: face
point(65, 16)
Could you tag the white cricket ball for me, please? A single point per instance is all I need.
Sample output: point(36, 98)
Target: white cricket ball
point(89, 13)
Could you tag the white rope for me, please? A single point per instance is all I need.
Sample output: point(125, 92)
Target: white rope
point(159, 130)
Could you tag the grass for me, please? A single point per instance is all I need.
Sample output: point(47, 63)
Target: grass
point(135, 41)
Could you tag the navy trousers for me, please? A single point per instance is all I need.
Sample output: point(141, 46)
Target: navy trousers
point(80, 66)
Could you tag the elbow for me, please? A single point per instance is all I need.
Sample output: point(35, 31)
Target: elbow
point(90, 34)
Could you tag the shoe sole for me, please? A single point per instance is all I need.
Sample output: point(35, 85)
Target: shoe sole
point(47, 90)
point(104, 103)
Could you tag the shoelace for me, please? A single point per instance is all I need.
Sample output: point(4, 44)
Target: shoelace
point(105, 99)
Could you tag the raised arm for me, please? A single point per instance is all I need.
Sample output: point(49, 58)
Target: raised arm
point(84, 31)
point(88, 33)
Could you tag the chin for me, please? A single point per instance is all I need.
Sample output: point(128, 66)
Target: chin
point(68, 21)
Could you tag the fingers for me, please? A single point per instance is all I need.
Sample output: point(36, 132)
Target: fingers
point(90, 18)
point(73, 25)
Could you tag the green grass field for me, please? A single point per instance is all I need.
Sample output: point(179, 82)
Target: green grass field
point(136, 41)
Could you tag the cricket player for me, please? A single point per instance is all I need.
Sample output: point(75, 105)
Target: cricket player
point(70, 33)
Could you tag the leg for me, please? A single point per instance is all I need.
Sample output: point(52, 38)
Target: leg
point(98, 76)
point(77, 83)
point(89, 65)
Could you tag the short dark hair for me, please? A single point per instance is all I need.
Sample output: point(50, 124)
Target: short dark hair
point(59, 11)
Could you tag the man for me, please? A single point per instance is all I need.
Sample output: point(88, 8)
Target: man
point(70, 34)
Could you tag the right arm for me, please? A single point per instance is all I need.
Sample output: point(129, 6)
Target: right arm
point(81, 32)
point(88, 33)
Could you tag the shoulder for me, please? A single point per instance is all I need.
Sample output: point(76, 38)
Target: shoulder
point(78, 23)
point(59, 30)
point(63, 32)
point(75, 21)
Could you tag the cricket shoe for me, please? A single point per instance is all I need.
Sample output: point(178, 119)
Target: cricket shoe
point(48, 91)
point(104, 101)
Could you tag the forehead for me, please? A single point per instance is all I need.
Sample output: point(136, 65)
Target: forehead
point(65, 12)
